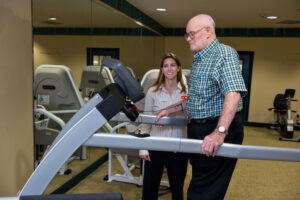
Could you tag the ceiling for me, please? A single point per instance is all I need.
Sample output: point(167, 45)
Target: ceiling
point(226, 13)
point(77, 13)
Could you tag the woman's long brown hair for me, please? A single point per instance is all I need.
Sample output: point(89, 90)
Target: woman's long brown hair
point(161, 78)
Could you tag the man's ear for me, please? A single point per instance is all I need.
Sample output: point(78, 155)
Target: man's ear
point(208, 31)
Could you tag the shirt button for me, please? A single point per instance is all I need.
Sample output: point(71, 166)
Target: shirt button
point(198, 101)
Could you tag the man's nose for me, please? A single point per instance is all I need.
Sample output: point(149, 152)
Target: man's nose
point(188, 38)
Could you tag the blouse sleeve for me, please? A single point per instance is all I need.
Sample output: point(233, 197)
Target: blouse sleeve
point(148, 109)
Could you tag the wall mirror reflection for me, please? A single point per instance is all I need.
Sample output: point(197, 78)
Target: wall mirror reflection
point(70, 40)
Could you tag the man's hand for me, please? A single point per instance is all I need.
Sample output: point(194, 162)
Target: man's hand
point(145, 157)
point(212, 142)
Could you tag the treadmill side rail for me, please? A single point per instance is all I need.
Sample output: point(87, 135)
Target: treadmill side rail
point(193, 146)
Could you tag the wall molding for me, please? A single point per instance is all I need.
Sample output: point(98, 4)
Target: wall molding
point(243, 32)
point(221, 32)
point(93, 31)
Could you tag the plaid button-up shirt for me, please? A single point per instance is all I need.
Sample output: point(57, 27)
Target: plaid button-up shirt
point(214, 73)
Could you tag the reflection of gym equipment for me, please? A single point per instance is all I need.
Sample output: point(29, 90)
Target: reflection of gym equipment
point(284, 122)
point(187, 74)
point(41, 128)
point(102, 107)
point(56, 93)
point(131, 72)
point(92, 82)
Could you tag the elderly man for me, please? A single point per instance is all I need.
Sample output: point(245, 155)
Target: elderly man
point(214, 108)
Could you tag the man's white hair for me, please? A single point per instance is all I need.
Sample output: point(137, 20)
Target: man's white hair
point(204, 20)
point(211, 22)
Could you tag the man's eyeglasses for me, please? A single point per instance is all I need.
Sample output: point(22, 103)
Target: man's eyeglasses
point(192, 34)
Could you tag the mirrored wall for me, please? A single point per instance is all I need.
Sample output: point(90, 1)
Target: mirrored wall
point(71, 35)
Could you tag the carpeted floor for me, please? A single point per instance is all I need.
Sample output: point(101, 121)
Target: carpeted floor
point(252, 179)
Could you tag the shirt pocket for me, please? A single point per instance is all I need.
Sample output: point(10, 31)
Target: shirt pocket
point(160, 102)
point(201, 84)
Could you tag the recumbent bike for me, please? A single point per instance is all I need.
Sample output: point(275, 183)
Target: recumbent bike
point(284, 122)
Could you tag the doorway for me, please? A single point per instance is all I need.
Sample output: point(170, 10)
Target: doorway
point(95, 55)
point(246, 63)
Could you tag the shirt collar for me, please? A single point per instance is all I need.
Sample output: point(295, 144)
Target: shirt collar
point(207, 50)
point(162, 87)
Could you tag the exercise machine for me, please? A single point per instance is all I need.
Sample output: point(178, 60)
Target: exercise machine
point(106, 105)
point(284, 122)
point(57, 98)
point(92, 81)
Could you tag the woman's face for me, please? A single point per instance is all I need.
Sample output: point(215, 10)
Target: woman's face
point(170, 69)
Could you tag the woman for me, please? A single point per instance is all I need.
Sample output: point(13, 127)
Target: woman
point(167, 90)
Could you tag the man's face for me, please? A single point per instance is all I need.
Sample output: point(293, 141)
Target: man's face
point(196, 36)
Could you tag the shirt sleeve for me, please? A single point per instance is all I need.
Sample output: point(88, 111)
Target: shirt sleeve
point(143, 152)
point(148, 109)
point(229, 75)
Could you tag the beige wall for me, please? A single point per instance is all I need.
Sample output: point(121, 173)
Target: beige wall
point(139, 53)
point(276, 66)
point(16, 119)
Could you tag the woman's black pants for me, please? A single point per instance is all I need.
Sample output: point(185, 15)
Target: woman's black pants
point(176, 164)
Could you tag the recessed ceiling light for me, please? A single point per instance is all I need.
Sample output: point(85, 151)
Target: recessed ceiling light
point(272, 17)
point(161, 9)
point(52, 18)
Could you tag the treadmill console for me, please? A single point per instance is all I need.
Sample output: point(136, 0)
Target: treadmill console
point(124, 79)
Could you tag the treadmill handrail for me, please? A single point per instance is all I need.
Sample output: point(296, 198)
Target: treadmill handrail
point(192, 146)
point(150, 119)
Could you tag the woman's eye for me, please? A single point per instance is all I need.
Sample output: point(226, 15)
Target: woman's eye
point(172, 65)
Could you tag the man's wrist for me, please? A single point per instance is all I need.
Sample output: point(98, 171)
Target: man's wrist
point(222, 129)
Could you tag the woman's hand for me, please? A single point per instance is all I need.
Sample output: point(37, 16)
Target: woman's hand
point(144, 154)
point(160, 114)
point(145, 157)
